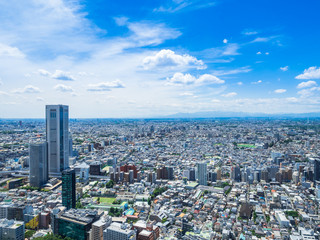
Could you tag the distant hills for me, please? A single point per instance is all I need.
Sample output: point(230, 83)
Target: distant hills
point(216, 114)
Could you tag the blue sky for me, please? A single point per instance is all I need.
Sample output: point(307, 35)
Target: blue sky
point(151, 58)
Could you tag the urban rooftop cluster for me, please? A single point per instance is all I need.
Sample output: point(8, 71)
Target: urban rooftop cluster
point(101, 179)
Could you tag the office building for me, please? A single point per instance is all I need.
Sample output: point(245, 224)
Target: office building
point(219, 176)
point(236, 174)
point(44, 220)
point(70, 146)
point(69, 188)
point(212, 176)
point(11, 229)
point(117, 231)
point(316, 170)
point(131, 179)
point(95, 168)
point(57, 129)
point(265, 175)
point(192, 174)
point(170, 173)
point(16, 211)
point(98, 227)
point(146, 231)
point(202, 173)
point(38, 175)
point(127, 168)
point(186, 226)
point(4, 210)
point(76, 223)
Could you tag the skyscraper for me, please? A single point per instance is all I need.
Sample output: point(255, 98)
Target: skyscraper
point(202, 173)
point(235, 173)
point(69, 188)
point(38, 154)
point(192, 174)
point(316, 170)
point(170, 173)
point(57, 127)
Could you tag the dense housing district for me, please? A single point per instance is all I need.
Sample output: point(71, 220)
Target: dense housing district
point(159, 178)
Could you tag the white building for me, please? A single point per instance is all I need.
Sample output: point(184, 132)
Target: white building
point(282, 219)
point(186, 174)
point(118, 231)
point(98, 227)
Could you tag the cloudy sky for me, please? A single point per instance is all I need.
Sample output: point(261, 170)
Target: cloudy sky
point(139, 58)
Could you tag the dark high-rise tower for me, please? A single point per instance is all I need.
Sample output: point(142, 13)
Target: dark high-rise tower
point(38, 175)
point(57, 127)
point(192, 174)
point(316, 170)
point(69, 188)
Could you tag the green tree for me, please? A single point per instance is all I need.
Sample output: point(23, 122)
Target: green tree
point(50, 236)
point(79, 205)
point(110, 184)
point(29, 233)
point(163, 220)
point(267, 218)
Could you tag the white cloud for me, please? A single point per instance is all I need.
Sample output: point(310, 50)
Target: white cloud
point(121, 21)
point(249, 32)
point(230, 94)
point(27, 89)
point(48, 29)
point(188, 79)
point(8, 51)
point(44, 73)
point(179, 5)
point(61, 75)
point(231, 49)
point(105, 86)
point(257, 82)
point(258, 53)
point(181, 79)
point(263, 39)
point(267, 53)
point(304, 93)
point(147, 34)
point(210, 79)
point(63, 88)
point(292, 99)
point(58, 75)
point(39, 26)
point(279, 91)
point(232, 71)
point(284, 68)
point(240, 83)
point(186, 94)
point(3, 93)
point(228, 49)
point(40, 99)
point(310, 73)
point(307, 84)
point(225, 40)
point(168, 58)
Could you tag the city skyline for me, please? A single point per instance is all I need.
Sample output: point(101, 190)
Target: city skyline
point(157, 58)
